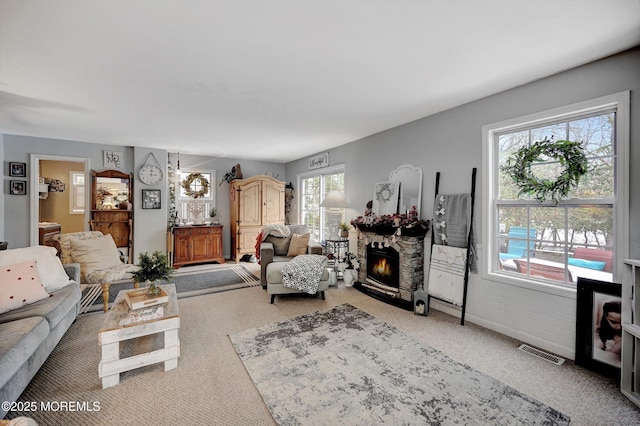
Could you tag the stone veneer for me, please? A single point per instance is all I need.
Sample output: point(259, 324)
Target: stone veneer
point(411, 249)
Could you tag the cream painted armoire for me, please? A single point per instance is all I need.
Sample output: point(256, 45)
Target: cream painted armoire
point(255, 202)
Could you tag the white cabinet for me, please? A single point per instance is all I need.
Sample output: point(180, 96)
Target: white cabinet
point(630, 371)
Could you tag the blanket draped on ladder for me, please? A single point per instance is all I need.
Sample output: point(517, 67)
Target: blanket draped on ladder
point(452, 221)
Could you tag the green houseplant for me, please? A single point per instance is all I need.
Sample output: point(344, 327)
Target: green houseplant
point(344, 229)
point(151, 269)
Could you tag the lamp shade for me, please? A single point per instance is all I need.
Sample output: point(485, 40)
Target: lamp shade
point(335, 199)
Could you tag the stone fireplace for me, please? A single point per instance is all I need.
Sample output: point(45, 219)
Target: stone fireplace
point(391, 266)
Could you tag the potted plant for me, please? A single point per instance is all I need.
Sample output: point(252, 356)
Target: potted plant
point(151, 269)
point(344, 229)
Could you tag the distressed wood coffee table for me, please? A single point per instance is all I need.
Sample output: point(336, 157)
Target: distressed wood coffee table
point(115, 330)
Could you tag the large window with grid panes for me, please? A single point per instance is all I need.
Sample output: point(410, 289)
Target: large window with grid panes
point(549, 242)
point(314, 185)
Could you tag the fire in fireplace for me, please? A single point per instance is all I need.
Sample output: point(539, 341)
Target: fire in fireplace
point(383, 265)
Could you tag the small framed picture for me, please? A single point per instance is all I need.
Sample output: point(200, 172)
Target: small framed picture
point(151, 198)
point(599, 326)
point(18, 187)
point(18, 169)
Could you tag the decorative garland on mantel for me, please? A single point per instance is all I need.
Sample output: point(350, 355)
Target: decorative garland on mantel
point(186, 185)
point(570, 155)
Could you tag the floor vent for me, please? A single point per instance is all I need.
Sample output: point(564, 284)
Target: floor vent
point(541, 354)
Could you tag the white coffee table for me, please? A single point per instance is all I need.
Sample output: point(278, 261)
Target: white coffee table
point(113, 332)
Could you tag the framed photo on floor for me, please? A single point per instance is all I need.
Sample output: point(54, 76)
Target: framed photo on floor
point(599, 326)
point(17, 169)
point(18, 187)
point(151, 199)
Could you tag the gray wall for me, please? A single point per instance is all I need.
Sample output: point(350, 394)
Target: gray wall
point(451, 142)
point(150, 226)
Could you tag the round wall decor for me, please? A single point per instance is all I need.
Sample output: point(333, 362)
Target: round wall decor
point(570, 155)
point(149, 173)
point(190, 190)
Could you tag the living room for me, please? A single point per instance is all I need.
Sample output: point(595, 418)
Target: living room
point(449, 141)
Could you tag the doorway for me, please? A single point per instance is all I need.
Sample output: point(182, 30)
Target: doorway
point(61, 196)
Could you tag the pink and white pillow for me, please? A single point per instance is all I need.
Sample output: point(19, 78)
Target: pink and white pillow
point(20, 285)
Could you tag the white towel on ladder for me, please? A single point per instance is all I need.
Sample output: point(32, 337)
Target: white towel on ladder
point(446, 273)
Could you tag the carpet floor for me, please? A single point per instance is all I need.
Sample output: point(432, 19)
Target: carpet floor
point(344, 366)
point(194, 281)
point(212, 387)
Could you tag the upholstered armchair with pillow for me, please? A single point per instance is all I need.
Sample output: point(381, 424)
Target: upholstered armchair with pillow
point(283, 249)
point(99, 259)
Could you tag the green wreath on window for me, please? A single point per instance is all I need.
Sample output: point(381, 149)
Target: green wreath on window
point(188, 190)
point(571, 156)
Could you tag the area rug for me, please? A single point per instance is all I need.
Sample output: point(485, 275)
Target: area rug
point(345, 366)
point(188, 284)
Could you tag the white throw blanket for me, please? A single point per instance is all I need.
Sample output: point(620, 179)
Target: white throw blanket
point(446, 273)
point(276, 230)
point(303, 272)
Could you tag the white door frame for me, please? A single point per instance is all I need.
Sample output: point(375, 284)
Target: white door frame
point(35, 201)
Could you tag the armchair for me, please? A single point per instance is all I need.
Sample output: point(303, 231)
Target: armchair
point(276, 249)
point(99, 259)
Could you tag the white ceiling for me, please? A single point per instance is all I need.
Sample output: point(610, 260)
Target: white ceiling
point(278, 80)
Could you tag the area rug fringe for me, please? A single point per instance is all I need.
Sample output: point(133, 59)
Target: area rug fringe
point(94, 291)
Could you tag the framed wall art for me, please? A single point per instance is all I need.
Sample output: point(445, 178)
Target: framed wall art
point(151, 199)
point(18, 187)
point(18, 169)
point(385, 198)
point(599, 326)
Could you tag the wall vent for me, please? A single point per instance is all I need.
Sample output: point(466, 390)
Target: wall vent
point(541, 354)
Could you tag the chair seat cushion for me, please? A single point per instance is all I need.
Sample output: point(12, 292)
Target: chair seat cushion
point(123, 271)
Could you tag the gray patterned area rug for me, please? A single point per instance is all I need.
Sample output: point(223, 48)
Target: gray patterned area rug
point(345, 366)
point(188, 284)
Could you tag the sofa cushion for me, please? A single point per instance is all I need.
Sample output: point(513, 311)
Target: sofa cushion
point(18, 341)
point(20, 285)
point(53, 308)
point(95, 254)
point(52, 274)
point(298, 244)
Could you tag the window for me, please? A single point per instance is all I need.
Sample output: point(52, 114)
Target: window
point(322, 222)
point(190, 209)
point(76, 194)
point(582, 235)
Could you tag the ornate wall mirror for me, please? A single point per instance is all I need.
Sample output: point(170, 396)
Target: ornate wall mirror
point(410, 179)
point(111, 190)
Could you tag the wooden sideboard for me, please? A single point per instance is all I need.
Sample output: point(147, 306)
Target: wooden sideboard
point(197, 244)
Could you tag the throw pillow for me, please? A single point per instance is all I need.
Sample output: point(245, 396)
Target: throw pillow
point(298, 244)
point(50, 270)
point(280, 244)
point(95, 254)
point(20, 286)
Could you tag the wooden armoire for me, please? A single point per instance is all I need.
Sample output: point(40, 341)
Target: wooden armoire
point(255, 202)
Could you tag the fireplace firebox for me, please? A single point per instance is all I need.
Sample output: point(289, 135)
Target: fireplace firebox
point(391, 265)
point(383, 265)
